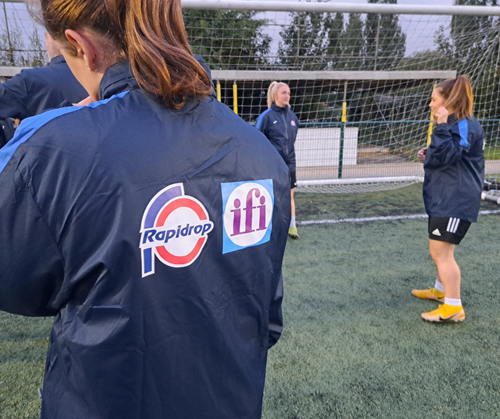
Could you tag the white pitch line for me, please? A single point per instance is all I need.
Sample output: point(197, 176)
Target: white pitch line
point(388, 218)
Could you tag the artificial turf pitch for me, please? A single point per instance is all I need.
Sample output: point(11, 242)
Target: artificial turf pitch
point(354, 345)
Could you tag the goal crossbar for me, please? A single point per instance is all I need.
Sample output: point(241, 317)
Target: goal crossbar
point(350, 181)
point(290, 6)
point(331, 75)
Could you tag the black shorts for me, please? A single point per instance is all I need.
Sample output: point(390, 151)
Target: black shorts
point(293, 180)
point(449, 230)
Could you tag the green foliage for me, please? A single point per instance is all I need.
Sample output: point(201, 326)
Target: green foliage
point(14, 52)
point(312, 42)
point(472, 47)
point(227, 39)
point(37, 56)
point(353, 42)
point(338, 42)
point(385, 42)
point(325, 41)
point(10, 42)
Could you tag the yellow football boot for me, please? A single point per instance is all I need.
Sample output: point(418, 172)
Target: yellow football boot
point(429, 294)
point(445, 313)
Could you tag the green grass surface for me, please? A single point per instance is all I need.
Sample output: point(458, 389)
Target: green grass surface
point(492, 153)
point(354, 345)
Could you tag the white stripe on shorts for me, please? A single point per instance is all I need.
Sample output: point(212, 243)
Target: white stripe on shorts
point(453, 225)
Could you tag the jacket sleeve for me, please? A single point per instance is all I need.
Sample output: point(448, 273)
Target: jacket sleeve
point(444, 149)
point(275, 313)
point(292, 162)
point(13, 97)
point(31, 266)
point(262, 124)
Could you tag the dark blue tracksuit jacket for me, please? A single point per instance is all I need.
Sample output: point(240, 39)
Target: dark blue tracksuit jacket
point(454, 170)
point(155, 237)
point(33, 91)
point(280, 126)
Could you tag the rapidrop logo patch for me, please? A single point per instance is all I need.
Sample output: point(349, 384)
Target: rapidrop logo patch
point(174, 229)
point(247, 214)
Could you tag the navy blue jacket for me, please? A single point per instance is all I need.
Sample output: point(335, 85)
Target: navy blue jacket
point(454, 170)
point(156, 238)
point(33, 91)
point(280, 126)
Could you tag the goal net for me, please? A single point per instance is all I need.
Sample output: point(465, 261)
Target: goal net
point(361, 77)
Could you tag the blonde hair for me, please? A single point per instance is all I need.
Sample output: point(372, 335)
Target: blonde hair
point(273, 91)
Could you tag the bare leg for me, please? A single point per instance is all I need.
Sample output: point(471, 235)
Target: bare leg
point(293, 202)
point(442, 254)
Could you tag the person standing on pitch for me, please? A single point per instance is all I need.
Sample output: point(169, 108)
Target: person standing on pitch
point(151, 223)
point(454, 175)
point(280, 125)
point(35, 90)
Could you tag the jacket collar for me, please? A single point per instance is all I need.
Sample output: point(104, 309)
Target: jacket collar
point(117, 78)
point(277, 108)
point(452, 119)
point(57, 60)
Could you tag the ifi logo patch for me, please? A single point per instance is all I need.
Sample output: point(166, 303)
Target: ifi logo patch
point(247, 214)
point(174, 229)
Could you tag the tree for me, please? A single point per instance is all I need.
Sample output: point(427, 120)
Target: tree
point(472, 47)
point(303, 44)
point(36, 57)
point(10, 42)
point(353, 43)
point(385, 42)
point(228, 39)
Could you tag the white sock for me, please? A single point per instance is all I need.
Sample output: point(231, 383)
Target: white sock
point(292, 223)
point(439, 286)
point(457, 302)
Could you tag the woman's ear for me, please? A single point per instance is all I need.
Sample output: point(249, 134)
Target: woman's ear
point(84, 46)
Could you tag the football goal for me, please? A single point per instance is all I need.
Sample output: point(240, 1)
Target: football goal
point(361, 76)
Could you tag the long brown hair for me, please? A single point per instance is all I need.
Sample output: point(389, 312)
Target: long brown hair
point(149, 34)
point(458, 96)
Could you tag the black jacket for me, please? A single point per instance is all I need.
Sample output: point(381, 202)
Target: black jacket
point(35, 90)
point(156, 238)
point(454, 170)
point(280, 126)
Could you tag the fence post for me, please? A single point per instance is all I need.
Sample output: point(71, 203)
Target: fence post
point(342, 131)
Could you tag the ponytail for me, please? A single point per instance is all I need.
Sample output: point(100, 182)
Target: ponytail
point(149, 34)
point(273, 91)
point(458, 96)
